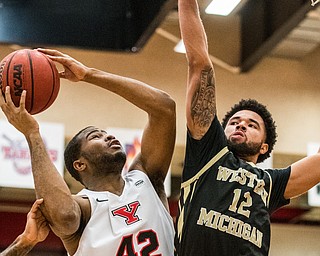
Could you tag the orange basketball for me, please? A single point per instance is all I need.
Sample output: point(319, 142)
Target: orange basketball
point(34, 72)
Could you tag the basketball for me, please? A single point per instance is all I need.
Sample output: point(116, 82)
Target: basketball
point(34, 72)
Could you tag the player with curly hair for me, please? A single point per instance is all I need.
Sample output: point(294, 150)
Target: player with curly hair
point(226, 200)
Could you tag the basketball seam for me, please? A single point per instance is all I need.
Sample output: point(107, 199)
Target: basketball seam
point(8, 70)
point(53, 85)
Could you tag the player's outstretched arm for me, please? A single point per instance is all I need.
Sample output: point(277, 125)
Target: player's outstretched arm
point(60, 209)
point(305, 174)
point(36, 230)
point(201, 100)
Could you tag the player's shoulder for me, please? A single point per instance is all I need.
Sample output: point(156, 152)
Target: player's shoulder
point(136, 174)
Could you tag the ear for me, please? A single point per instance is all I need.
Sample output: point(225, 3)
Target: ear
point(264, 148)
point(79, 165)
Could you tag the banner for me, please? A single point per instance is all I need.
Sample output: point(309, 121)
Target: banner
point(15, 162)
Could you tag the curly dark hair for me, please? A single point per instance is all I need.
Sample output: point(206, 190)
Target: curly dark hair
point(261, 110)
point(72, 153)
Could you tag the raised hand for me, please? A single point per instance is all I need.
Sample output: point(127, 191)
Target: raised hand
point(73, 70)
point(18, 116)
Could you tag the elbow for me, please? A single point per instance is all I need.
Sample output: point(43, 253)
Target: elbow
point(170, 104)
point(170, 108)
point(199, 61)
point(67, 223)
point(167, 106)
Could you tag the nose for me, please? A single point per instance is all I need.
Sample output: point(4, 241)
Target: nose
point(241, 126)
point(109, 137)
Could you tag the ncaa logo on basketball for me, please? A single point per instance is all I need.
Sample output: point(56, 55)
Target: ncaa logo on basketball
point(17, 79)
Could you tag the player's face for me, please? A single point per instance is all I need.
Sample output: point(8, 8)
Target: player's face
point(102, 149)
point(246, 133)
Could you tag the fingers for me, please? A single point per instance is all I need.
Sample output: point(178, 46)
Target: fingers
point(73, 69)
point(8, 96)
point(53, 54)
point(57, 56)
point(23, 100)
point(50, 52)
point(7, 100)
point(36, 205)
point(39, 201)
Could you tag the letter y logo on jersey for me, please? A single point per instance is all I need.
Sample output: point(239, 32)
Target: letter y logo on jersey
point(128, 212)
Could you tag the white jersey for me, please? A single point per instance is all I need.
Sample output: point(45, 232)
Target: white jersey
point(134, 223)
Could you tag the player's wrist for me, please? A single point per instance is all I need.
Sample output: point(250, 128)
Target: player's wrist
point(26, 241)
point(32, 134)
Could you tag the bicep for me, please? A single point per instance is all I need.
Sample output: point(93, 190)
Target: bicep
point(201, 100)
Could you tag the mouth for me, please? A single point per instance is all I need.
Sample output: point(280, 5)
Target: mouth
point(114, 143)
point(237, 135)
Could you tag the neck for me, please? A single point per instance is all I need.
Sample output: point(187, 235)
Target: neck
point(251, 159)
point(110, 183)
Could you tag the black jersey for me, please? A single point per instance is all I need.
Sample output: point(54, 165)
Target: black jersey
point(225, 202)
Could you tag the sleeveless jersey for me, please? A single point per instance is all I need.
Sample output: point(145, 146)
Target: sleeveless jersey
point(134, 223)
point(225, 202)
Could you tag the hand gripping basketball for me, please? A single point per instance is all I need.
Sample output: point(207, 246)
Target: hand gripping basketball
point(34, 72)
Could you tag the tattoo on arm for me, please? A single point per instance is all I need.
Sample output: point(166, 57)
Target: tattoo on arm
point(203, 107)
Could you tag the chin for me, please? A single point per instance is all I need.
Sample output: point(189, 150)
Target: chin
point(244, 150)
point(120, 157)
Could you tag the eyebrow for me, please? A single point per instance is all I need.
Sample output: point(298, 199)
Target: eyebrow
point(250, 119)
point(93, 131)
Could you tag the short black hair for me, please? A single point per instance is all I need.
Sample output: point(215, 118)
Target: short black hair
point(261, 110)
point(72, 153)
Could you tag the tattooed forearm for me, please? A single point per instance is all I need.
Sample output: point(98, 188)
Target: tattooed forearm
point(203, 108)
